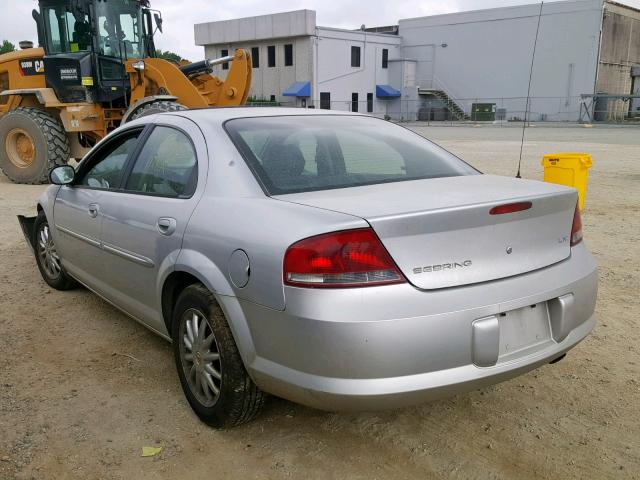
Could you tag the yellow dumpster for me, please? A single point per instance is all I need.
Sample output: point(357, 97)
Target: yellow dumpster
point(570, 169)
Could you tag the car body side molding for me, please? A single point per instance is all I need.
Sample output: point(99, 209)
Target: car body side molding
point(91, 241)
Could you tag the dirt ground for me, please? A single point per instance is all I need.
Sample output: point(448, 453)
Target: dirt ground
point(83, 388)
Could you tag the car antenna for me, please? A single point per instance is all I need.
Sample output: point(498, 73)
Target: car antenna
point(526, 108)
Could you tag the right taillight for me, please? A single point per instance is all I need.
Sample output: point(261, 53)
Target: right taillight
point(576, 228)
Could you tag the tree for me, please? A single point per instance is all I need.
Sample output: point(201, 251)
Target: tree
point(7, 47)
point(170, 56)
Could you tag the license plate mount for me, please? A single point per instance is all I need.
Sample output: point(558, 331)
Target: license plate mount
point(523, 331)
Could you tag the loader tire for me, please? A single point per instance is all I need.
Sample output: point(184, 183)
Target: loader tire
point(32, 142)
point(157, 107)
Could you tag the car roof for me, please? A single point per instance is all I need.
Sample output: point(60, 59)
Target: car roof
point(222, 114)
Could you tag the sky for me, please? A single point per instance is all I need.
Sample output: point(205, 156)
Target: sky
point(180, 15)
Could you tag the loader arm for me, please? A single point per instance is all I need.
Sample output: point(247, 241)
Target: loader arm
point(155, 76)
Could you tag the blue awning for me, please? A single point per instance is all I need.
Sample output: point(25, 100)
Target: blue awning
point(386, 91)
point(298, 89)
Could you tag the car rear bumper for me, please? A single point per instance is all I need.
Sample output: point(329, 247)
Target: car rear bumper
point(386, 347)
point(344, 394)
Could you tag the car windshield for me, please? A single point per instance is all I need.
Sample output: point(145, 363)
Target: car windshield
point(291, 154)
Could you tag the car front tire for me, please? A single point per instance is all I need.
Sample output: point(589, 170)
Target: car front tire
point(212, 375)
point(47, 256)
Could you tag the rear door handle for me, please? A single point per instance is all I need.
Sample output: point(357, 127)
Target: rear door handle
point(166, 225)
point(94, 208)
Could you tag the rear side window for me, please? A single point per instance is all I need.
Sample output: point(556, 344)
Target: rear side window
point(166, 165)
point(302, 153)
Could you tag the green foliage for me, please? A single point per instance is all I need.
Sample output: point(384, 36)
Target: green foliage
point(7, 47)
point(170, 56)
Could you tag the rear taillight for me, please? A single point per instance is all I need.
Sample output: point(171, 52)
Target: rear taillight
point(576, 228)
point(350, 258)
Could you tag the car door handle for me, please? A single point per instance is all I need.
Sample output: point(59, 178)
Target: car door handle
point(94, 208)
point(166, 225)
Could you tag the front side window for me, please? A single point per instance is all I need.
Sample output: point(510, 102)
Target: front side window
point(291, 154)
point(107, 172)
point(66, 32)
point(166, 165)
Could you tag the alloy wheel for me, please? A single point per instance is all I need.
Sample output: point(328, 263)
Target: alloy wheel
point(48, 254)
point(200, 357)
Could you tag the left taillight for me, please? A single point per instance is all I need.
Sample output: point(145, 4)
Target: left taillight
point(349, 258)
point(576, 227)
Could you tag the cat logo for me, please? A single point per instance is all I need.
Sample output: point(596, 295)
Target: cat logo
point(31, 66)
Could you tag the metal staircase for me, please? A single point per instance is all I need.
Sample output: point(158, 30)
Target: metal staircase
point(456, 111)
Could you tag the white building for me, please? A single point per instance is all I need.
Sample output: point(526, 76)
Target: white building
point(296, 62)
point(444, 66)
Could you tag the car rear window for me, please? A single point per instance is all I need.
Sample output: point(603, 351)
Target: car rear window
point(291, 154)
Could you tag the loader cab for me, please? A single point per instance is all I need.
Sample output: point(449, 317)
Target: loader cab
point(86, 44)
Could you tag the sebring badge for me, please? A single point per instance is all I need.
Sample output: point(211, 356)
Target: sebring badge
point(442, 266)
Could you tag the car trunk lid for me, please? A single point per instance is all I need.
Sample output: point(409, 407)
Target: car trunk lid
point(440, 232)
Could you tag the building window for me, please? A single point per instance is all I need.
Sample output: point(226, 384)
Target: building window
point(355, 56)
point(271, 56)
point(325, 100)
point(288, 55)
point(385, 58)
point(354, 102)
point(272, 98)
point(224, 53)
point(369, 102)
point(255, 57)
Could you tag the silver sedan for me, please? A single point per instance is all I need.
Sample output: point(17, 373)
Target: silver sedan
point(333, 259)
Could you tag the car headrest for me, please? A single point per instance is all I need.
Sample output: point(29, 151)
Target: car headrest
point(284, 160)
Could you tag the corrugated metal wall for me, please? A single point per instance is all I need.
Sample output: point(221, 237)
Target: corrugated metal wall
point(619, 52)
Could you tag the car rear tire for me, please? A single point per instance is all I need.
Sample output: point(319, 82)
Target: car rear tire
point(47, 256)
point(212, 375)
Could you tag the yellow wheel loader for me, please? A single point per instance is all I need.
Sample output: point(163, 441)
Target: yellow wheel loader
point(96, 68)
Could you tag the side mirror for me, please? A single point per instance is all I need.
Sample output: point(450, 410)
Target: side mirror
point(62, 175)
point(158, 20)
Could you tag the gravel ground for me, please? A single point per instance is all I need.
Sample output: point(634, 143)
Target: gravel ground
point(83, 388)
